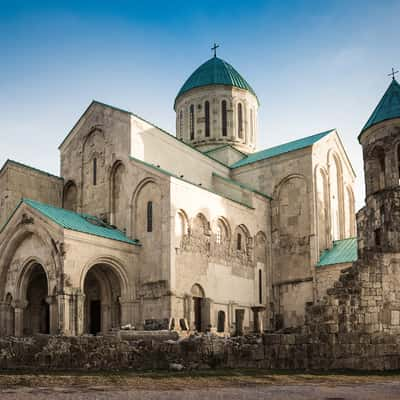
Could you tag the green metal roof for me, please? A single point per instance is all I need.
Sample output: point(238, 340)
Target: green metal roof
point(387, 108)
point(215, 72)
point(343, 251)
point(281, 149)
point(79, 222)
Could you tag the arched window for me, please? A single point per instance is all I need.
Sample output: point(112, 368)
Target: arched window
point(260, 293)
point(224, 118)
point(219, 235)
point(181, 123)
point(240, 120)
point(150, 216)
point(94, 171)
point(251, 126)
point(192, 122)
point(207, 117)
point(239, 241)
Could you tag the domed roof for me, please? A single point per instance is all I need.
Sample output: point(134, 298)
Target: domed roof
point(215, 71)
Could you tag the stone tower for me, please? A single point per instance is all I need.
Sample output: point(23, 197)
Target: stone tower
point(379, 221)
point(216, 106)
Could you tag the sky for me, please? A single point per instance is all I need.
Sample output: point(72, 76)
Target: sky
point(314, 65)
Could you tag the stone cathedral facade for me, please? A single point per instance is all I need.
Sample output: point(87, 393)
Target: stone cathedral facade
point(199, 229)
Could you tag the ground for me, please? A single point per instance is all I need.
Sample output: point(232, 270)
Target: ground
point(221, 385)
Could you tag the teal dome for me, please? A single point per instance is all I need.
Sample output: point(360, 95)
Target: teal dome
point(215, 72)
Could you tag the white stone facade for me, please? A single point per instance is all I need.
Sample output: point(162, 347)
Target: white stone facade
point(213, 240)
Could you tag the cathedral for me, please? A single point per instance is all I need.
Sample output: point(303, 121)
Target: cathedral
point(198, 231)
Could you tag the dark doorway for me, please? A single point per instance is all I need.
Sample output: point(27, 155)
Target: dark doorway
point(221, 321)
point(37, 313)
point(197, 312)
point(95, 316)
point(239, 314)
point(44, 318)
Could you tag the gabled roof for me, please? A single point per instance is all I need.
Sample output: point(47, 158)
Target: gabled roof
point(281, 149)
point(343, 251)
point(19, 164)
point(387, 108)
point(215, 71)
point(79, 222)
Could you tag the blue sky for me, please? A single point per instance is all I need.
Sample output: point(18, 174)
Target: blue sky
point(314, 65)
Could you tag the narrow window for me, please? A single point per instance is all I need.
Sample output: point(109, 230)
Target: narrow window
point(251, 126)
point(150, 216)
point(94, 171)
point(181, 124)
point(382, 212)
point(224, 119)
point(207, 117)
point(378, 234)
point(240, 121)
point(219, 235)
point(192, 122)
point(260, 297)
point(239, 242)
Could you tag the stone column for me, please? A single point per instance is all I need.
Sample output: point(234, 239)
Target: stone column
point(78, 314)
point(257, 319)
point(63, 303)
point(3, 319)
point(105, 317)
point(19, 307)
point(126, 311)
point(53, 311)
point(188, 310)
point(206, 310)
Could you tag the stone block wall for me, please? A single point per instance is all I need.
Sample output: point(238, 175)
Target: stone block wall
point(272, 351)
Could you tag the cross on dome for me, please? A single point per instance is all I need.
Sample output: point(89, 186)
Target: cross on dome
point(214, 48)
point(393, 73)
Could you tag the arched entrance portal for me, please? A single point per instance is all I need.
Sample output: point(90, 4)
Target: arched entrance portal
point(102, 292)
point(37, 313)
point(198, 305)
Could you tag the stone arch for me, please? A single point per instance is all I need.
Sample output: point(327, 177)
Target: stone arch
point(13, 241)
point(322, 207)
point(118, 268)
point(336, 196)
point(350, 224)
point(181, 226)
point(198, 297)
point(200, 225)
point(241, 239)
point(70, 196)
point(104, 283)
point(134, 203)
point(116, 195)
point(260, 247)
point(293, 217)
point(34, 292)
point(375, 169)
point(7, 328)
point(93, 147)
point(222, 230)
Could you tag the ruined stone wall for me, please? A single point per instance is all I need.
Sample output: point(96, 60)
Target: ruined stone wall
point(326, 276)
point(273, 351)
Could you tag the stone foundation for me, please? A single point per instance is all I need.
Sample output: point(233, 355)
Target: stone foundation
point(270, 351)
